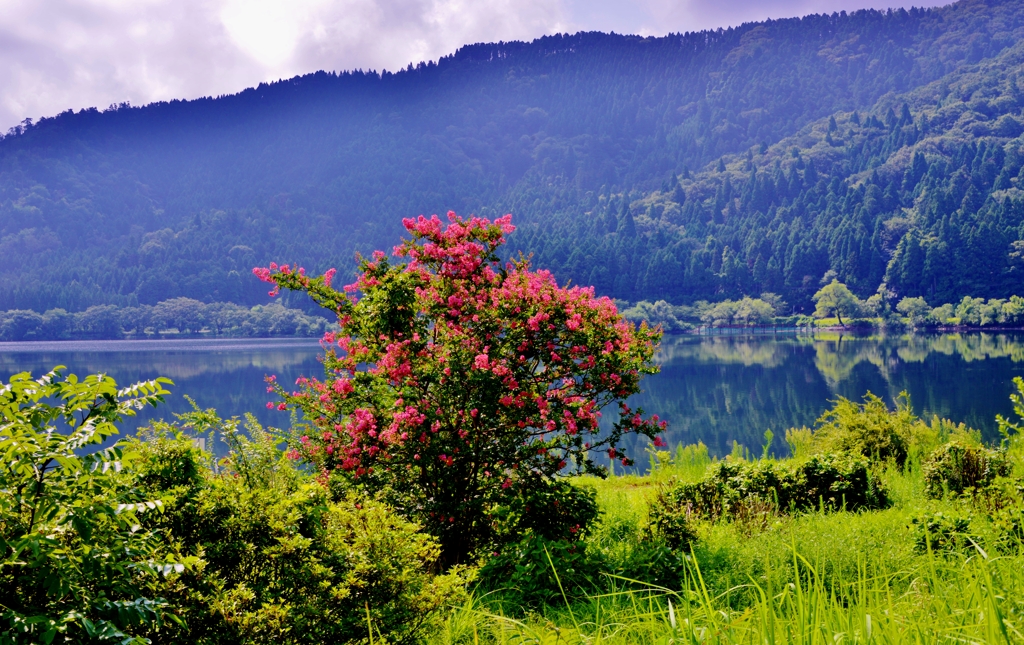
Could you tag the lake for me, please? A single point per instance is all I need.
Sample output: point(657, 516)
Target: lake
point(226, 374)
point(716, 389)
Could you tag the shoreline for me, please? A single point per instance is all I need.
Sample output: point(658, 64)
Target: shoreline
point(185, 343)
point(767, 330)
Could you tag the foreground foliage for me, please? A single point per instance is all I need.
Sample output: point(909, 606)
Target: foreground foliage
point(75, 564)
point(153, 540)
point(842, 542)
point(280, 561)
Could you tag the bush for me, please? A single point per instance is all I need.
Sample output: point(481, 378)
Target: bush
point(545, 519)
point(535, 571)
point(283, 562)
point(938, 532)
point(835, 482)
point(956, 468)
point(301, 569)
point(869, 428)
point(672, 514)
point(551, 509)
point(1008, 523)
point(739, 490)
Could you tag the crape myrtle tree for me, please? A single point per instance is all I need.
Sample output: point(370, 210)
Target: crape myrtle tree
point(458, 385)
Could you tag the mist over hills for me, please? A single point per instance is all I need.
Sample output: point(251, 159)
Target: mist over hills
point(885, 146)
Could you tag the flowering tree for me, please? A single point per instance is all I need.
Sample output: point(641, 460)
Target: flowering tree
point(456, 383)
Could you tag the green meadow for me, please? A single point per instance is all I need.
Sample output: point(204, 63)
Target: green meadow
point(933, 566)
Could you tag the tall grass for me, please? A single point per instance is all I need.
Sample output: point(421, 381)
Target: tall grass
point(971, 598)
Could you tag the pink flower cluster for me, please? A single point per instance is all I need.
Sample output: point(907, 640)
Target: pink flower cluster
point(455, 362)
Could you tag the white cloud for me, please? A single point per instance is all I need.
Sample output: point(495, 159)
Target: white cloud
point(60, 54)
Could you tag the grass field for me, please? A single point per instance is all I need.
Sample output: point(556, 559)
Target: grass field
point(765, 577)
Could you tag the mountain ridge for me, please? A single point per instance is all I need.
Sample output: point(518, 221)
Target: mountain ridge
point(140, 204)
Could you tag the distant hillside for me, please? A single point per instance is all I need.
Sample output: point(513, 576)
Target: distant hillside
point(582, 138)
point(921, 195)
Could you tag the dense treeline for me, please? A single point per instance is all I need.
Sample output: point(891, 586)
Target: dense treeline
point(582, 137)
point(177, 315)
point(768, 311)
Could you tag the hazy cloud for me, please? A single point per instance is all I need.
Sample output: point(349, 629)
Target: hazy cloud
point(60, 54)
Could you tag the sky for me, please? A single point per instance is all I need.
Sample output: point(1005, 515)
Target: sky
point(72, 54)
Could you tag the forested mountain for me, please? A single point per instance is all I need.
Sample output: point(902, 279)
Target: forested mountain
point(880, 145)
point(921, 196)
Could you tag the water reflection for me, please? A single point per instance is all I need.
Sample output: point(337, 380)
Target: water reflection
point(713, 389)
point(223, 374)
point(725, 388)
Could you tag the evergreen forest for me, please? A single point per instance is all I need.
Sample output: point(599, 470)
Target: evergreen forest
point(882, 149)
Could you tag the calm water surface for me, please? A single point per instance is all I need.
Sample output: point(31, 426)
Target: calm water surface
point(224, 374)
point(713, 389)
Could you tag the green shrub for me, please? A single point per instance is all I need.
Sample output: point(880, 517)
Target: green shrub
point(1008, 523)
point(554, 510)
point(835, 482)
point(648, 561)
point(283, 562)
point(539, 532)
point(956, 468)
point(672, 513)
point(535, 571)
point(740, 490)
point(941, 532)
point(75, 564)
point(711, 497)
point(869, 428)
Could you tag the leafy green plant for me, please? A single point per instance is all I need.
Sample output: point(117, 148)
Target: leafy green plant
point(741, 490)
point(672, 513)
point(553, 510)
point(940, 531)
point(76, 563)
point(1009, 428)
point(1009, 525)
point(957, 468)
point(534, 572)
point(834, 482)
point(868, 428)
